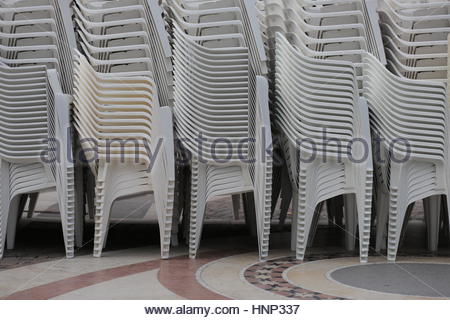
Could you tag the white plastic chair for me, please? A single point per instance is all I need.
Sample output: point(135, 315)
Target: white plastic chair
point(221, 97)
point(415, 37)
point(40, 33)
point(128, 39)
point(337, 30)
point(34, 112)
point(413, 113)
point(107, 28)
point(326, 30)
point(119, 116)
point(312, 96)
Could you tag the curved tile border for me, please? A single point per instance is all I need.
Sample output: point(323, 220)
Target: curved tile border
point(180, 276)
point(56, 288)
point(225, 277)
point(176, 274)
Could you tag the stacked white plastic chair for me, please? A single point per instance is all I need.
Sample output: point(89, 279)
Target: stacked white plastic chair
point(221, 97)
point(39, 32)
point(415, 36)
point(325, 30)
point(410, 119)
point(119, 87)
point(36, 110)
point(127, 37)
point(330, 29)
point(313, 97)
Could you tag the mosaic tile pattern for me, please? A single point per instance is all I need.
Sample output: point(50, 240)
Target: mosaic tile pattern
point(12, 260)
point(268, 275)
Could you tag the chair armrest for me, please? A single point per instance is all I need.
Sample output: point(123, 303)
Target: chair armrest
point(250, 7)
point(448, 72)
point(374, 18)
point(163, 134)
point(156, 12)
point(263, 135)
point(362, 147)
point(59, 118)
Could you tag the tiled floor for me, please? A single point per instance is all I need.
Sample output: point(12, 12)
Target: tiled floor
point(226, 268)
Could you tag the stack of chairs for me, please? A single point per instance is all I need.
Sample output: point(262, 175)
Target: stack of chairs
point(410, 121)
point(335, 31)
point(326, 127)
point(341, 77)
point(126, 107)
point(102, 24)
point(36, 39)
point(330, 29)
point(221, 104)
point(415, 37)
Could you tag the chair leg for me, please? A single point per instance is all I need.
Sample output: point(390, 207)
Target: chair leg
point(315, 224)
point(250, 212)
point(178, 204)
point(364, 214)
point(4, 203)
point(335, 211)
point(444, 217)
point(373, 215)
point(276, 188)
point(79, 205)
point(175, 229)
point(103, 205)
point(397, 213)
point(286, 197)
point(90, 193)
point(432, 215)
point(263, 196)
point(263, 226)
point(294, 221)
point(339, 213)
point(236, 199)
point(32, 204)
point(65, 188)
point(198, 206)
point(187, 208)
point(22, 203)
point(165, 228)
point(330, 215)
point(164, 209)
point(13, 217)
point(382, 213)
point(409, 210)
point(305, 217)
point(351, 213)
point(306, 209)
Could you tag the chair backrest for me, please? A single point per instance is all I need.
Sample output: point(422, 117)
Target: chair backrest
point(415, 37)
point(105, 28)
point(114, 113)
point(414, 111)
point(315, 97)
point(23, 110)
point(47, 26)
point(211, 96)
